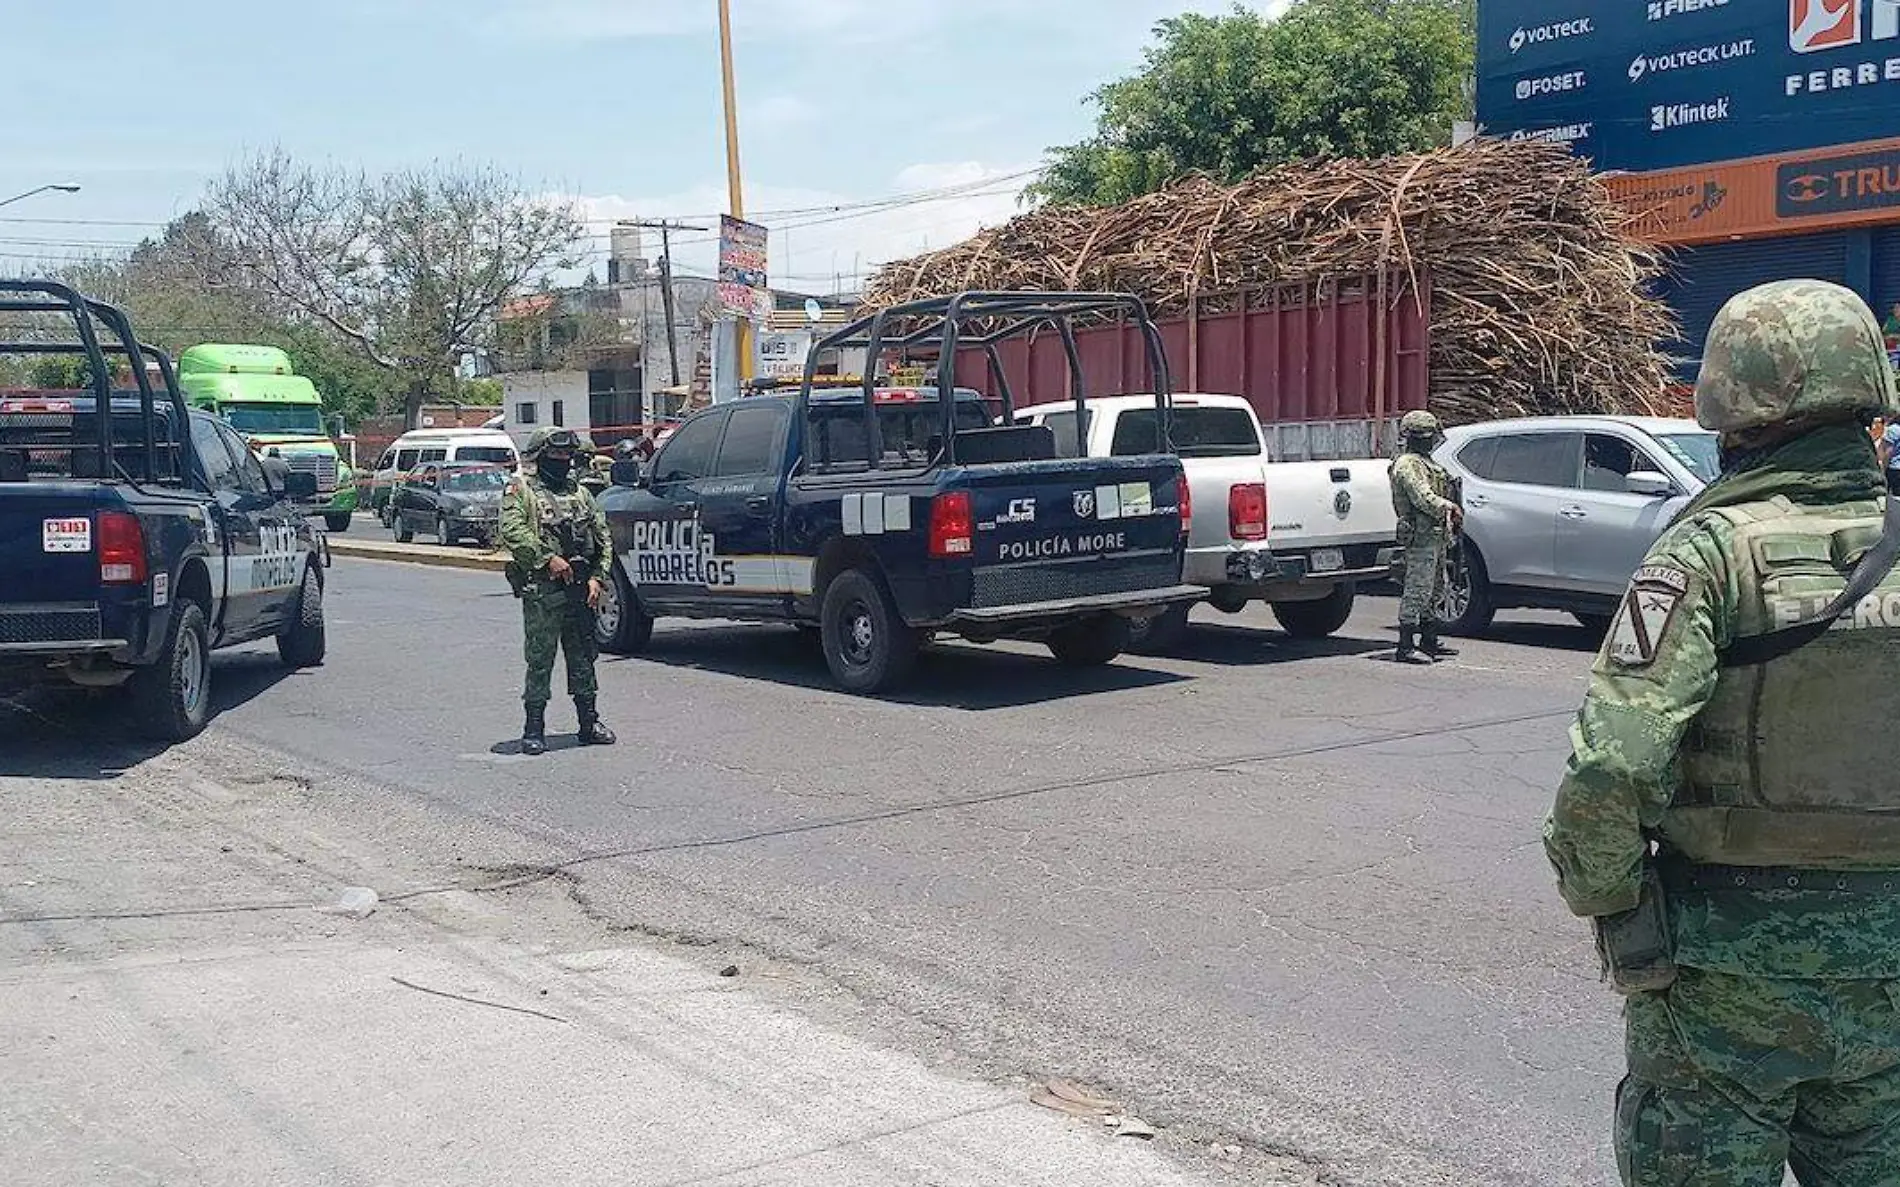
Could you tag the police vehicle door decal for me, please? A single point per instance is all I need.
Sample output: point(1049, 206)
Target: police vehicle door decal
point(677, 552)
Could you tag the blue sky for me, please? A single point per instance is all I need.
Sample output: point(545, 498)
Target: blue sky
point(616, 102)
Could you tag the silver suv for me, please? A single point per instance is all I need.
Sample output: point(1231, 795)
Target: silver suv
point(1560, 510)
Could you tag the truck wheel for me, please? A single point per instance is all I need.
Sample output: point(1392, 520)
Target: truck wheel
point(303, 642)
point(1228, 599)
point(1466, 608)
point(404, 532)
point(172, 698)
point(444, 535)
point(1316, 620)
point(868, 645)
point(1091, 642)
point(620, 626)
point(1160, 634)
point(337, 521)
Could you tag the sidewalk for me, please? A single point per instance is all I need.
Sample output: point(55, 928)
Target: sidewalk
point(365, 547)
point(176, 1010)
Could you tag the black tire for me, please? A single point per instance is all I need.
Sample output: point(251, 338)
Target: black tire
point(1316, 620)
point(172, 698)
point(337, 521)
point(1466, 608)
point(386, 513)
point(868, 645)
point(304, 642)
point(1160, 634)
point(405, 532)
point(621, 627)
point(1228, 599)
point(444, 535)
point(1091, 642)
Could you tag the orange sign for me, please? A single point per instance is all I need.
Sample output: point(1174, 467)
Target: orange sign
point(1816, 190)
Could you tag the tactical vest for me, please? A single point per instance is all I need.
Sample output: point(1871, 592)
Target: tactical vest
point(566, 525)
point(1791, 763)
point(1416, 521)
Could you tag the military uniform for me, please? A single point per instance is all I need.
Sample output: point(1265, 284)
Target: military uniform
point(548, 520)
point(1731, 793)
point(1421, 492)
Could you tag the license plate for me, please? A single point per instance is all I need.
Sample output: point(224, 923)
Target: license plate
point(1328, 560)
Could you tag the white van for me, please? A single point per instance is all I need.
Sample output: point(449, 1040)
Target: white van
point(467, 446)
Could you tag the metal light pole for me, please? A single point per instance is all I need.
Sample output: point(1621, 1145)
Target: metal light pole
point(64, 188)
point(735, 189)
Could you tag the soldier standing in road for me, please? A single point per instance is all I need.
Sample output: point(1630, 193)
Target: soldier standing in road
point(561, 558)
point(1427, 517)
point(1730, 820)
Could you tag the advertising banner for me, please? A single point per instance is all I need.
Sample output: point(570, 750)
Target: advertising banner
point(782, 354)
point(1807, 191)
point(742, 266)
point(1645, 85)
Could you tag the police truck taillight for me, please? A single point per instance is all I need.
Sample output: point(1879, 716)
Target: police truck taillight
point(1187, 506)
point(121, 547)
point(952, 531)
point(1247, 511)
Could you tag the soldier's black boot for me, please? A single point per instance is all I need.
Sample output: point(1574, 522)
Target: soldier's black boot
point(593, 733)
point(1429, 644)
point(534, 732)
point(1408, 652)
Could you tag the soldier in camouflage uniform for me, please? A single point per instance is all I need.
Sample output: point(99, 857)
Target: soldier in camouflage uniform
point(1426, 520)
point(1730, 818)
point(561, 558)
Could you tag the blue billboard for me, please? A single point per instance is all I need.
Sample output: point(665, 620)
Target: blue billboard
point(1656, 84)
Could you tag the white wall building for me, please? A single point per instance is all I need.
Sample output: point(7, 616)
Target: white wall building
point(531, 399)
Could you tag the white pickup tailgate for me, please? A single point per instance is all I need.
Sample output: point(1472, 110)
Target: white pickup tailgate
point(1329, 504)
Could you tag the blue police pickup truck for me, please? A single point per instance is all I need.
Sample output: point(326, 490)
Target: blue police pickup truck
point(879, 516)
point(133, 544)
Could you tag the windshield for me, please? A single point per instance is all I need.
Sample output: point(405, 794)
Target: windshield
point(1697, 452)
point(301, 419)
point(1197, 432)
point(468, 482)
point(499, 455)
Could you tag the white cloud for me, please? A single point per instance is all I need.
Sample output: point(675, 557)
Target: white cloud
point(814, 245)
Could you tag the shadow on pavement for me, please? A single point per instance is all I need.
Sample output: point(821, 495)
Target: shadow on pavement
point(949, 675)
point(1553, 636)
point(67, 733)
point(1239, 646)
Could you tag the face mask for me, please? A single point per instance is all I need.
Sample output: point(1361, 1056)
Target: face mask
point(554, 471)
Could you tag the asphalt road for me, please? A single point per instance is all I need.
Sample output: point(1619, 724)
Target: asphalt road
point(1277, 895)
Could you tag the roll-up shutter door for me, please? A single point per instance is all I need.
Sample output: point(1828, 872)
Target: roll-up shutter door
point(1702, 279)
point(1886, 288)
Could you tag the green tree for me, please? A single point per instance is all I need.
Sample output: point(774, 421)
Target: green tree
point(409, 269)
point(1228, 95)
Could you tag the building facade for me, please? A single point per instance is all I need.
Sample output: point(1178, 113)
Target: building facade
point(1758, 139)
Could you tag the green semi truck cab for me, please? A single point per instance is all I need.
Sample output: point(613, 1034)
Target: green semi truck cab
point(256, 391)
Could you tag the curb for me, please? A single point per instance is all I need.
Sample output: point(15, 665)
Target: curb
point(484, 562)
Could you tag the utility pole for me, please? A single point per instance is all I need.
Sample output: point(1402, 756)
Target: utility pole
point(666, 229)
point(736, 191)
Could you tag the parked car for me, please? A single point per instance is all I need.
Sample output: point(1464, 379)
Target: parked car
point(1559, 511)
point(415, 448)
point(1295, 535)
point(456, 503)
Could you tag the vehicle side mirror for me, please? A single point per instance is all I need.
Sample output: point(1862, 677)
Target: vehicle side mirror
point(628, 472)
point(1648, 482)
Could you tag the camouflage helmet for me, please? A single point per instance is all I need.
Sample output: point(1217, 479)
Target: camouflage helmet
point(552, 437)
point(1792, 349)
point(1420, 424)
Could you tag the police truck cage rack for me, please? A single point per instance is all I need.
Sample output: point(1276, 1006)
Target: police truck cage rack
point(37, 423)
point(982, 319)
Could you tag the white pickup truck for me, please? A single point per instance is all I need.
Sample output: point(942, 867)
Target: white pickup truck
point(1297, 535)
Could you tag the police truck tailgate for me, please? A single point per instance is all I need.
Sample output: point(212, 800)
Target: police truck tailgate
point(1061, 530)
